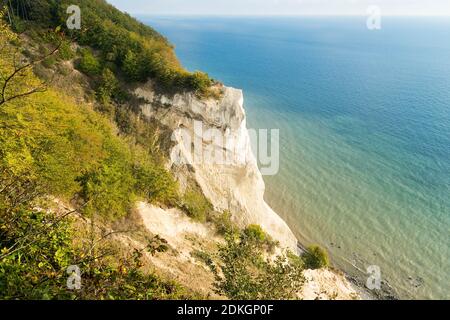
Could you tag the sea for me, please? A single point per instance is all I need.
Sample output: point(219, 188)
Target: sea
point(364, 120)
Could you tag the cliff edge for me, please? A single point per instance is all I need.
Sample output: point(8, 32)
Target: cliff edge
point(235, 184)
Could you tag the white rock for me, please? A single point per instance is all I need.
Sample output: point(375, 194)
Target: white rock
point(238, 188)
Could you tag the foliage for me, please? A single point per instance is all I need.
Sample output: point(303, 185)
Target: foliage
point(203, 256)
point(51, 146)
point(255, 234)
point(157, 244)
point(196, 205)
point(138, 50)
point(16, 78)
point(155, 184)
point(245, 273)
point(65, 51)
point(36, 271)
point(74, 151)
point(37, 247)
point(106, 91)
point(200, 81)
point(88, 63)
point(315, 257)
point(222, 222)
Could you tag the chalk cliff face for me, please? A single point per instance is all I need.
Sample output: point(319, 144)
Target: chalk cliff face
point(225, 168)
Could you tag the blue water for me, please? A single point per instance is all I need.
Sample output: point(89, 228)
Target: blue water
point(365, 131)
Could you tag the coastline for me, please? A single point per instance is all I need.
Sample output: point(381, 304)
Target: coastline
point(239, 188)
point(363, 291)
point(387, 292)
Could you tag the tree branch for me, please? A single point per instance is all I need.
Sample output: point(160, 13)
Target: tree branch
point(17, 71)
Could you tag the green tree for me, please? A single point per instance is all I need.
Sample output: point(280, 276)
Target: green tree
point(108, 86)
point(88, 63)
point(156, 184)
point(131, 66)
point(244, 271)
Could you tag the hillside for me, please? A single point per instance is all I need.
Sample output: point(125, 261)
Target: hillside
point(87, 123)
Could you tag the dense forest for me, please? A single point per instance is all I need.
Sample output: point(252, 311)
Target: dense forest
point(93, 152)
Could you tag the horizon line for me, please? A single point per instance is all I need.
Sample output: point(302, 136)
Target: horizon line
point(282, 15)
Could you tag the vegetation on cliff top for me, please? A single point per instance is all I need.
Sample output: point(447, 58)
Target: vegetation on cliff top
point(129, 48)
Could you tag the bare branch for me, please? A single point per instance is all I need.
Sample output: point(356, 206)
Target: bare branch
point(17, 71)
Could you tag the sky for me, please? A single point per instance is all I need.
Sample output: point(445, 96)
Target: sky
point(282, 7)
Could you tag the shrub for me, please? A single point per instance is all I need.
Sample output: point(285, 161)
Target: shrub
point(203, 257)
point(88, 63)
point(65, 51)
point(196, 205)
point(131, 66)
point(244, 272)
point(156, 184)
point(199, 82)
point(107, 191)
point(157, 244)
point(223, 223)
point(107, 88)
point(255, 233)
point(315, 257)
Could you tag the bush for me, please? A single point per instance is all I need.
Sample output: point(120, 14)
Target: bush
point(108, 86)
point(199, 82)
point(156, 245)
point(315, 257)
point(255, 233)
point(222, 222)
point(65, 51)
point(88, 63)
point(132, 67)
point(156, 184)
point(244, 273)
point(107, 191)
point(196, 205)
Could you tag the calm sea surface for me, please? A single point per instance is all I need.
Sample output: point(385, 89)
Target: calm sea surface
point(364, 119)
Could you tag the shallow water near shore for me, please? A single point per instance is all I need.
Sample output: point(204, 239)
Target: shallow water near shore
point(364, 119)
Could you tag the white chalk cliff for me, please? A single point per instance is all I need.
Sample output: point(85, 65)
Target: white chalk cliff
point(238, 186)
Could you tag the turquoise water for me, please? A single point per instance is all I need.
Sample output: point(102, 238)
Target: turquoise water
point(365, 131)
